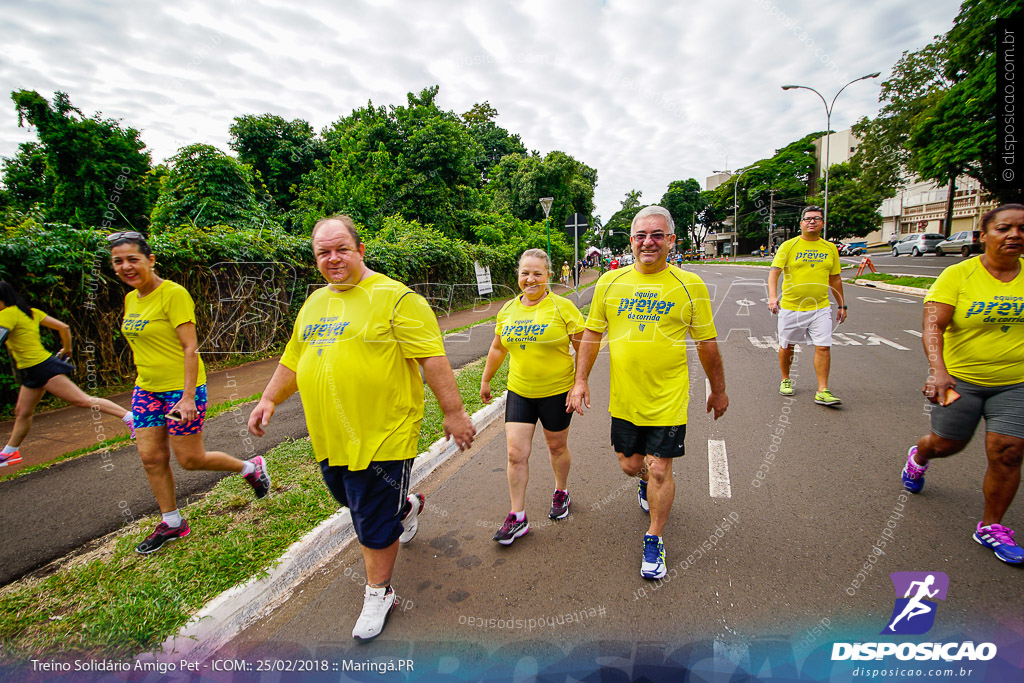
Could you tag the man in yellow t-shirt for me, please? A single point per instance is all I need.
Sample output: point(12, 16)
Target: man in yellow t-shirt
point(355, 356)
point(647, 310)
point(811, 266)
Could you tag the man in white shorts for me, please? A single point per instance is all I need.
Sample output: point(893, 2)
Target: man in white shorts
point(811, 265)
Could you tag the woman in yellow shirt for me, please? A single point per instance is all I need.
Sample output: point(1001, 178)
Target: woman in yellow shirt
point(39, 370)
point(974, 340)
point(537, 328)
point(169, 399)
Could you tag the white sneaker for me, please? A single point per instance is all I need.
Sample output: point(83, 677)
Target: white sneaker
point(410, 523)
point(377, 605)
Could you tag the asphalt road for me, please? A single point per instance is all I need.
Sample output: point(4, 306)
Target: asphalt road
point(812, 490)
point(47, 514)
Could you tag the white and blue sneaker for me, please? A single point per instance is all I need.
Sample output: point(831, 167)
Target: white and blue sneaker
point(999, 539)
point(653, 566)
point(641, 496)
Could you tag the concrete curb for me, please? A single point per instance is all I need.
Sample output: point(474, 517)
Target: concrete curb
point(903, 289)
point(229, 613)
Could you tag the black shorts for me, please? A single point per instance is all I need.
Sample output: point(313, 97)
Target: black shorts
point(661, 442)
point(375, 497)
point(37, 376)
point(550, 410)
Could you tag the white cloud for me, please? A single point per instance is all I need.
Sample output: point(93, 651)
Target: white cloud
point(645, 92)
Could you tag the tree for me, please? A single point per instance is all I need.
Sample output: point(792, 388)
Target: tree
point(619, 226)
point(96, 170)
point(684, 201)
point(518, 181)
point(415, 161)
point(852, 204)
point(25, 180)
point(206, 187)
point(282, 151)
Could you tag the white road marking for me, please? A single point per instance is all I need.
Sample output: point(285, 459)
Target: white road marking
point(768, 342)
point(843, 338)
point(707, 390)
point(875, 340)
point(913, 332)
point(718, 470)
point(745, 305)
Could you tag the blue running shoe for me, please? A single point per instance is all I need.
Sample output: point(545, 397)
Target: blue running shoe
point(913, 474)
point(641, 496)
point(999, 539)
point(653, 566)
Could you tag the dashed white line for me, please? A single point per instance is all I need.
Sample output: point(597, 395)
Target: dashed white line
point(718, 470)
point(913, 332)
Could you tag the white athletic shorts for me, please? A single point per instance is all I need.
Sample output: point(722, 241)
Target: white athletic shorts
point(798, 327)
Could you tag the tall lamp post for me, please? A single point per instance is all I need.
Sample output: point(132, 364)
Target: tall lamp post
point(735, 203)
point(545, 203)
point(828, 129)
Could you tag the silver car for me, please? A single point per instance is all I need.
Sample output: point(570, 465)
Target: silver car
point(918, 245)
point(965, 242)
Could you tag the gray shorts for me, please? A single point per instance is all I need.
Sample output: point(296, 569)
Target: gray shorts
point(1002, 407)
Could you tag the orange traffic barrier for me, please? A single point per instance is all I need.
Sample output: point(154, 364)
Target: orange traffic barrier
point(865, 263)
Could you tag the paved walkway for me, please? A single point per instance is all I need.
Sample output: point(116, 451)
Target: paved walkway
point(50, 513)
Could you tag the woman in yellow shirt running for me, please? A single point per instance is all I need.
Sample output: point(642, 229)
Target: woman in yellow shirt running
point(974, 340)
point(39, 370)
point(537, 328)
point(169, 399)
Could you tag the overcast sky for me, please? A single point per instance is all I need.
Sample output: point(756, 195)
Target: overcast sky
point(645, 92)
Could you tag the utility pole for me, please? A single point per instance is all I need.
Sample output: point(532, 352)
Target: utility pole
point(771, 218)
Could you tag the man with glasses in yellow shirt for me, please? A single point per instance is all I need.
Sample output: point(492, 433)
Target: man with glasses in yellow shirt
point(355, 356)
point(811, 265)
point(648, 309)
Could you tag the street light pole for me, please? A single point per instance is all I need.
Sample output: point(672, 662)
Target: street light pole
point(828, 130)
point(735, 201)
point(545, 203)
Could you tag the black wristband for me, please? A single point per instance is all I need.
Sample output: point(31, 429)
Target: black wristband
point(843, 306)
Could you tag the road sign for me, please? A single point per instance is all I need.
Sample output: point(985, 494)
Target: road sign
point(576, 224)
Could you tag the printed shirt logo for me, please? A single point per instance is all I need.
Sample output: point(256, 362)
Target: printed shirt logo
point(133, 324)
point(1001, 309)
point(526, 330)
point(645, 307)
point(322, 334)
point(813, 257)
point(914, 612)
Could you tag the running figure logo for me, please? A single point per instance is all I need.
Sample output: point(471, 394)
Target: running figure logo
point(914, 613)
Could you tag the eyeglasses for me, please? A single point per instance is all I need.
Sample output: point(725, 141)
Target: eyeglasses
point(655, 236)
point(130, 235)
point(815, 219)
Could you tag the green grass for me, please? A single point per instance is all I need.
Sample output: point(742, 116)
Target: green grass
point(113, 602)
point(922, 282)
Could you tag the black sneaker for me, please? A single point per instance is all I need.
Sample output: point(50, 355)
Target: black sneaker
point(259, 480)
point(511, 530)
point(162, 534)
point(560, 503)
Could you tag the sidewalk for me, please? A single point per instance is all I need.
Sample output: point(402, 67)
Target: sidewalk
point(47, 514)
point(69, 429)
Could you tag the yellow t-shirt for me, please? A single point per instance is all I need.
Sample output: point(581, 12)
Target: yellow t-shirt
point(354, 355)
point(984, 341)
point(23, 340)
point(647, 318)
point(806, 265)
point(149, 326)
point(537, 339)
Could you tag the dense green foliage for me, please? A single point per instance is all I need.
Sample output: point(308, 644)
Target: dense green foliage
point(206, 187)
point(939, 108)
point(95, 172)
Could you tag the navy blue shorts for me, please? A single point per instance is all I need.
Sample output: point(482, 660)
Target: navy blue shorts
point(375, 497)
point(661, 442)
point(36, 376)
